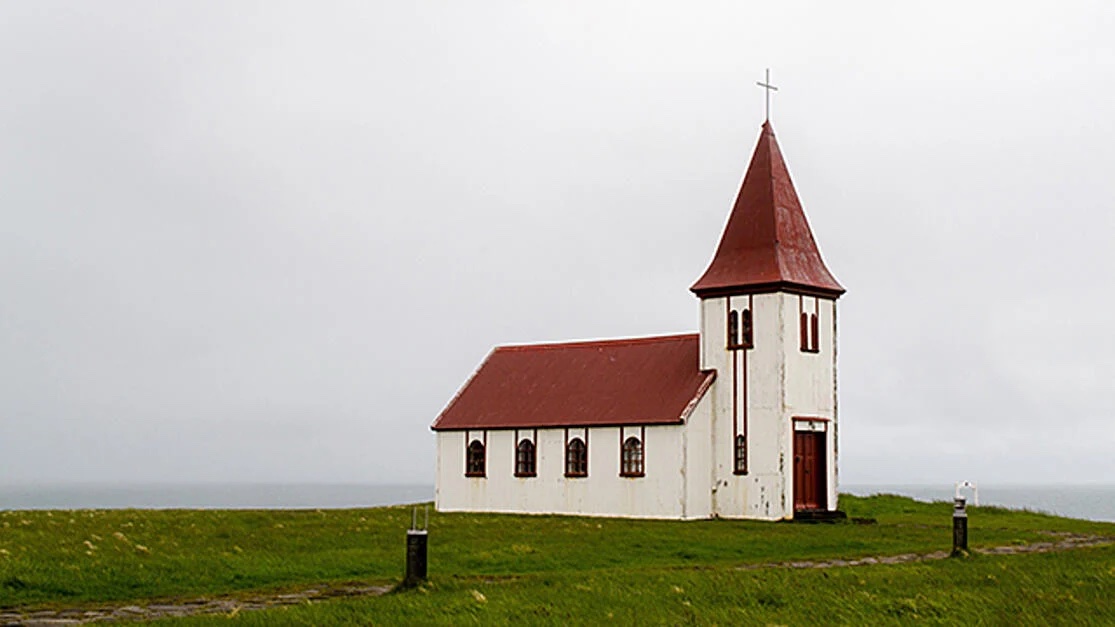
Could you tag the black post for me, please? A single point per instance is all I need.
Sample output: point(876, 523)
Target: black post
point(959, 528)
point(416, 557)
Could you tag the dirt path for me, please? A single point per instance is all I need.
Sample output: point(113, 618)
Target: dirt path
point(1064, 541)
point(230, 606)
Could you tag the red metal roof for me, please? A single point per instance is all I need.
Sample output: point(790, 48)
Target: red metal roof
point(653, 380)
point(767, 244)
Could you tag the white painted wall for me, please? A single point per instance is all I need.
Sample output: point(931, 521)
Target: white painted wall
point(761, 493)
point(810, 378)
point(659, 494)
point(698, 458)
point(782, 382)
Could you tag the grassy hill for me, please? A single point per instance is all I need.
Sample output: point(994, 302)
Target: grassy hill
point(504, 568)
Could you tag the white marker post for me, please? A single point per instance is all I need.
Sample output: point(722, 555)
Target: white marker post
point(960, 518)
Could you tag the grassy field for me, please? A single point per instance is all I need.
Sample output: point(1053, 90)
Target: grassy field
point(1072, 588)
point(554, 569)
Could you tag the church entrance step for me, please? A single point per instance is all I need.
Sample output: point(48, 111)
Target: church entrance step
point(819, 516)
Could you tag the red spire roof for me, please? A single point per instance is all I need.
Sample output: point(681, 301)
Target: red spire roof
point(767, 244)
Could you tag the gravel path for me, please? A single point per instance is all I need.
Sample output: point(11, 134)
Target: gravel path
point(231, 606)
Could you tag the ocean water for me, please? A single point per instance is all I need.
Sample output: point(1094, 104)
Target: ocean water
point(209, 496)
point(1093, 502)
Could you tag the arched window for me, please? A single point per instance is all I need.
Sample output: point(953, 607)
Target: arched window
point(474, 465)
point(576, 458)
point(747, 340)
point(741, 455)
point(524, 459)
point(733, 329)
point(632, 462)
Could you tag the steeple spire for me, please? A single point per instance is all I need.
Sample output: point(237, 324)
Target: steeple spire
point(767, 244)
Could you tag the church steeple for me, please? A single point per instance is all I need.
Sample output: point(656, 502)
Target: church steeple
point(767, 244)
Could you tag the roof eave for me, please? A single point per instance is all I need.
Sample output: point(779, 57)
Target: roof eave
point(562, 425)
point(461, 390)
point(710, 376)
point(767, 288)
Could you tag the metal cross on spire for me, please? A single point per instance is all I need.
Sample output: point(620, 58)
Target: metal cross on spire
point(767, 86)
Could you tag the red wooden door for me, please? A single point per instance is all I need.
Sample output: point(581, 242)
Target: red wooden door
point(809, 471)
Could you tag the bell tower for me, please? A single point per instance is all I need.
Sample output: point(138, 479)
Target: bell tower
point(768, 327)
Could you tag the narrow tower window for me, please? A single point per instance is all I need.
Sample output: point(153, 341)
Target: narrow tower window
point(733, 329)
point(474, 465)
point(525, 459)
point(814, 331)
point(804, 331)
point(747, 341)
point(632, 463)
point(741, 455)
point(576, 458)
point(809, 333)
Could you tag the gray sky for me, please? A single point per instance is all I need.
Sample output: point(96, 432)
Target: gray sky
point(268, 242)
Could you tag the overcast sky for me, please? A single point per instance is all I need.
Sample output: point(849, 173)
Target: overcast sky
point(268, 242)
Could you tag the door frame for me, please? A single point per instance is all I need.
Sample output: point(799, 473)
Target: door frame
point(816, 425)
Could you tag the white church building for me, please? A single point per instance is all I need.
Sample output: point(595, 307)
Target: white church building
point(736, 421)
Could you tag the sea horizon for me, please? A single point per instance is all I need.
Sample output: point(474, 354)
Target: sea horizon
point(208, 495)
point(1087, 501)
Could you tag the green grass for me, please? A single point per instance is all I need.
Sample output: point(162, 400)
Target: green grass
point(1073, 588)
point(158, 554)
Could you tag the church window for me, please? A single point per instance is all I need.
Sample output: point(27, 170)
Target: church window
point(814, 329)
point(739, 329)
point(576, 458)
point(474, 466)
point(804, 331)
point(741, 455)
point(524, 459)
point(632, 458)
point(747, 340)
point(809, 332)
